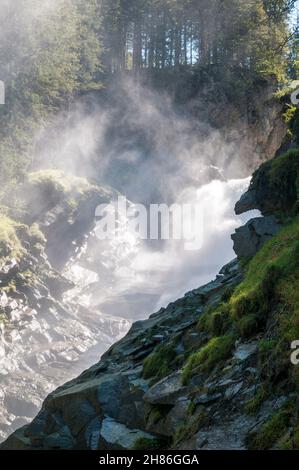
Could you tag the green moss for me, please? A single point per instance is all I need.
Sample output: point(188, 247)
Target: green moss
point(3, 317)
point(158, 364)
point(148, 444)
point(188, 429)
point(215, 321)
point(192, 407)
point(156, 413)
point(277, 182)
point(253, 405)
point(36, 236)
point(28, 278)
point(10, 244)
point(296, 438)
point(270, 432)
point(271, 279)
point(217, 350)
point(59, 181)
point(266, 346)
point(248, 325)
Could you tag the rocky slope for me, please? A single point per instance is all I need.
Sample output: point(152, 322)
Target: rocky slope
point(212, 370)
point(46, 338)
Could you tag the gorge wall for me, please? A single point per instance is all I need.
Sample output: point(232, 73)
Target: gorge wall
point(210, 371)
point(42, 307)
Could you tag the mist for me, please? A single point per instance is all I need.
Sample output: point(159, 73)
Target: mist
point(141, 144)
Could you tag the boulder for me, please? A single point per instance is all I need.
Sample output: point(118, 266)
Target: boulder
point(251, 237)
point(116, 436)
point(247, 202)
point(166, 391)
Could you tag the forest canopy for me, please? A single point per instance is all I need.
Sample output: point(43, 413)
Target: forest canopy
point(168, 33)
point(53, 51)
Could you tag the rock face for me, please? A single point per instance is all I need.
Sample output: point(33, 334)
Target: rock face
point(113, 405)
point(136, 395)
point(44, 339)
point(274, 187)
point(141, 394)
point(229, 133)
point(251, 237)
point(251, 125)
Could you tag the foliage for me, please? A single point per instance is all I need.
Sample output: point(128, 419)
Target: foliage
point(148, 444)
point(210, 355)
point(253, 405)
point(162, 34)
point(10, 244)
point(48, 55)
point(188, 429)
point(159, 362)
point(271, 431)
point(59, 182)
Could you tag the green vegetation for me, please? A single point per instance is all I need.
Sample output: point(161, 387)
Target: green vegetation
point(266, 346)
point(148, 444)
point(269, 288)
point(10, 244)
point(54, 56)
point(188, 429)
point(271, 282)
point(215, 321)
point(63, 50)
point(253, 405)
point(59, 182)
point(218, 349)
point(271, 431)
point(173, 33)
point(35, 235)
point(277, 182)
point(158, 364)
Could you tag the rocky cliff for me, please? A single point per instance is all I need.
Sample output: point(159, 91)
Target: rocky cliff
point(213, 369)
point(39, 327)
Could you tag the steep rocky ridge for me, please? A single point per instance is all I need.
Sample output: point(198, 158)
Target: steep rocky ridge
point(211, 371)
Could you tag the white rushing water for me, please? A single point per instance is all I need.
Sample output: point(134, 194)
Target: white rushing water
point(116, 283)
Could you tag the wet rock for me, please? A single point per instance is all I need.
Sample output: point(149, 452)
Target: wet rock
point(233, 390)
point(60, 440)
point(228, 436)
point(116, 436)
point(251, 237)
point(166, 391)
point(206, 398)
point(111, 406)
point(245, 350)
point(247, 202)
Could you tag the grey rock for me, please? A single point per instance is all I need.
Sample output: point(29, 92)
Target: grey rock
point(233, 390)
point(247, 202)
point(207, 398)
point(116, 436)
point(251, 237)
point(60, 440)
point(166, 391)
point(92, 434)
point(245, 350)
point(230, 435)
